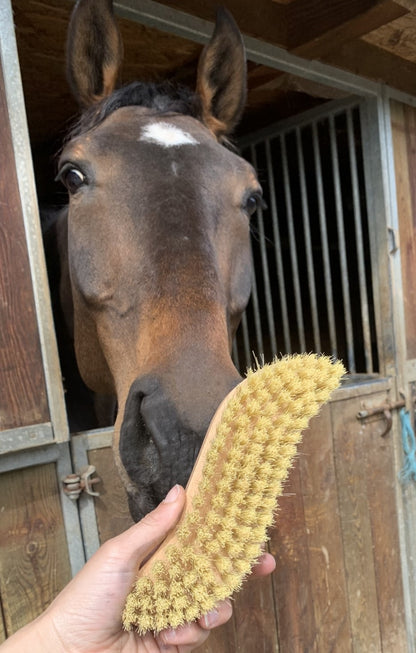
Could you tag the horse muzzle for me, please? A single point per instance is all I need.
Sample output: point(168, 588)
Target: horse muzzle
point(157, 446)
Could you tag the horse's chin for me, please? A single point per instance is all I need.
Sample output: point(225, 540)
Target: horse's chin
point(157, 450)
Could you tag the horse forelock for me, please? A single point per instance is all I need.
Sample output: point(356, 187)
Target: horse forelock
point(163, 97)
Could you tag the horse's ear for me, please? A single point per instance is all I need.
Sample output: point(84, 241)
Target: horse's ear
point(221, 81)
point(94, 51)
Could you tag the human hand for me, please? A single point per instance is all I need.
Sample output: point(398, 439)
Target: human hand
point(86, 616)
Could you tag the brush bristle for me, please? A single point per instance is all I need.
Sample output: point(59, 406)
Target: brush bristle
point(220, 539)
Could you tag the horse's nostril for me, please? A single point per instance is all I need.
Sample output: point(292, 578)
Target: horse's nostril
point(157, 447)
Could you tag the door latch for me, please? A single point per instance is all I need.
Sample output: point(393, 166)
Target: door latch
point(75, 484)
point(384, 411)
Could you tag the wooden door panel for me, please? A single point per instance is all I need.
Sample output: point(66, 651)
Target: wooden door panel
point(366, 489)
point(310, 576)
point(23, 399)
point(34, 562)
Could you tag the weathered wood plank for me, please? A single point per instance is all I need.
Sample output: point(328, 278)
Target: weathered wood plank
point(365, 59)
point(322, 522)
point(34, 563)
point(378, 455)
point(221, 640)
point(292, 583)
point(359, 24)
point(398, 37)
point(356, 524)
point(23, 393)
point(403, 120)
point(255, 619)
point(111, 507)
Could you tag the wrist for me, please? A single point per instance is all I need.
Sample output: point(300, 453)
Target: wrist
point(38, 636)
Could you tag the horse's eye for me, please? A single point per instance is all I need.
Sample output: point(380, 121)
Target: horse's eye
point(72, 178)
point(254, 202)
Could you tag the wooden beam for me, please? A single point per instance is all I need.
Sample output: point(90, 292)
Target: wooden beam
point(360, 24)
point(369, 61)
point(263, 19)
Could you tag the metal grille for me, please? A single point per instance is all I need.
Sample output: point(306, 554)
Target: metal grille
point(312, 272)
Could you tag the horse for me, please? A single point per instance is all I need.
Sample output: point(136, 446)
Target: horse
point(154, 245)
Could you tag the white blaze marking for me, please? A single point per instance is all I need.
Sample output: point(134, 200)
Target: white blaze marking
point(166, 135)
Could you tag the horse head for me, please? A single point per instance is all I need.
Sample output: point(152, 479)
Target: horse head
point(158, 245)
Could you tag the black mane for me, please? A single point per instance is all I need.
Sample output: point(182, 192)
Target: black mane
point(163, 97)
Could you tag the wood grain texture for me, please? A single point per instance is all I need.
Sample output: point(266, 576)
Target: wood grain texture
point(397, 36)
point(34, 563)
point(221, 640)
point(307, 21)
point(360, 24)
point(325, 546)
point(356, 524)
point(255, 620)
point(292, 582)
point(23, 392)
point(111, 507)
point(403, 120)
point(367, 60)
point(310, 581)
point(378, 455)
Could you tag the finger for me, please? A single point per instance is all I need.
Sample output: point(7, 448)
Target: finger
point(118, 559)
point(187, 637)
point(218, 616)
point(141, 539)
point(197, 632)
point(265, 565)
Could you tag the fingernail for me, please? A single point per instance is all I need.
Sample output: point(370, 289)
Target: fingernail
point(168, 637)
point(211, 618)
point(172, 495)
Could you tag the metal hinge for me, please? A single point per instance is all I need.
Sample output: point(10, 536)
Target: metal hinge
point(75, 484)
point(384, 411)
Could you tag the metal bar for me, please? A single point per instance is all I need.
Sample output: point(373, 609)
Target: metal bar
point(388, 405)
point(365, 314)
point(28, 198)
point(256, 314)
point(85, 502)
point(30, 458)
point(292, 243)
point(246, 340)
point(342, 247)
point(265, 268)
point(308, 243)
point(234, 354)
point(305, 119)
point(324, 242)
point(380, 210)
point(70, 512)
point(25, 437)
point(96, 438)
point(278, 250)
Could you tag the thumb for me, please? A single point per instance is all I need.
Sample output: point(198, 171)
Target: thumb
point(135, 544)
point(107, 577)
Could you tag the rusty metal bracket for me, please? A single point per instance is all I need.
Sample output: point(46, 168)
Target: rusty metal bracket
point(384, 411)
point(75, 484)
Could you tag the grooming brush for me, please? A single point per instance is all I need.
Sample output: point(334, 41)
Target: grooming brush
point(231, 494)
